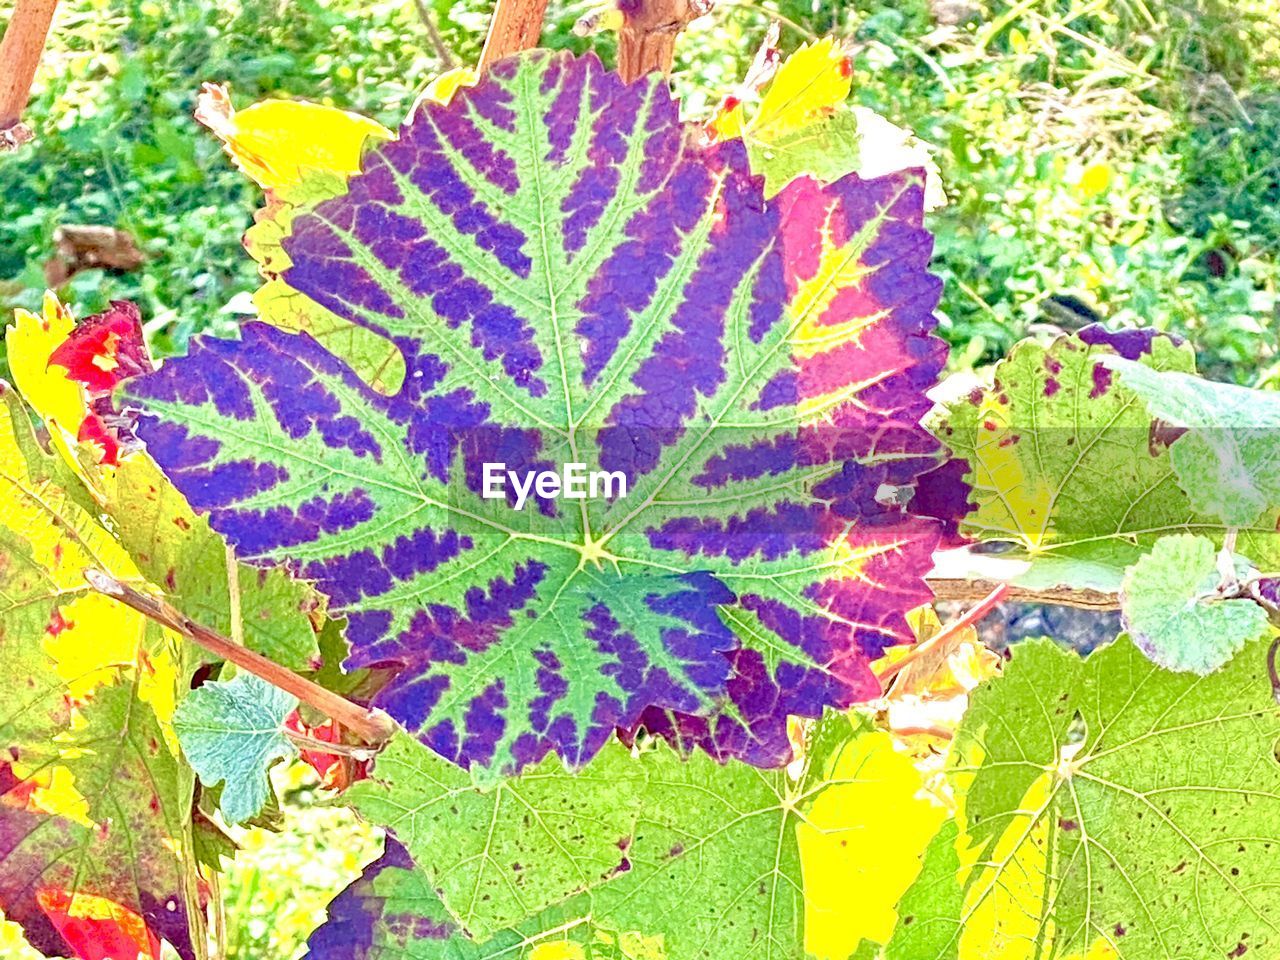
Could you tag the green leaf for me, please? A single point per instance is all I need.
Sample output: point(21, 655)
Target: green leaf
point(90, 779)
point(177, 551)
point(711, 868)
point(232, 732)
point(1067, 464)
point(923, 931)
point(123, 803)
point(745, 374)
point(1174, 611)
point(373, 357)
point(1228, 462)
point(1107, 804)
point(826, 150)
point(498, 853)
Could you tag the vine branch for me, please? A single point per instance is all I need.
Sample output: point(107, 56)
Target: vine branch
point(372, 725)
point(970, 617)
point(20, 51)
point(516, 26)
point(971, 591)
point(647, 40)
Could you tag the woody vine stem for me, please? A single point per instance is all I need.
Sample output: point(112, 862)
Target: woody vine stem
point(20, 50)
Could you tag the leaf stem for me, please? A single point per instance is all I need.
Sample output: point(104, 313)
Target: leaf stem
point(970, 617)
point(371, 725)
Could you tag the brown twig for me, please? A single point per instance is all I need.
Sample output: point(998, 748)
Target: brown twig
point(429, 21)
point(971, 591)
point(373, 726)
point(970, 617)
point(516, 26)
point(20, 50)
point(647, 40)
point(327, 746)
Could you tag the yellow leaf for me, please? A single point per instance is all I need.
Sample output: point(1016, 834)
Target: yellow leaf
point(94, 639)
point(442, 88)
point(59, 401)
point(813, 81)
point(49, 788)
point(30, 341)
point(1006, 888)
point(730, 122)
point(559, 950)
point(848, 857)
point(48, 389)
point(999, 467)
point(88, 637)
point(275, 141)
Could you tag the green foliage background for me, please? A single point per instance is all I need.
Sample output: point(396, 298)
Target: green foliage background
point(1110, 159)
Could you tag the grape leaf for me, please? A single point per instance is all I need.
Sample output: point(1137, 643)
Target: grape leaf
point(89, 779)
point(162, 539)
point(803, 126)
point(300, 154)
point(714, 868)
point(571, 279)
point(807, 87)
point(1110, 806)
point(1228, 461)
point(276, 143)
point(374, 358)
point(231, 733)
point(925, 930)
point(867, 775)
point(51, 624)
point(67, 372)
point(178, 552)
point(826, 150)
point(29, 343)
point(1174, 612)
point(1054, 430)
point(497, 854)
point(136, 804)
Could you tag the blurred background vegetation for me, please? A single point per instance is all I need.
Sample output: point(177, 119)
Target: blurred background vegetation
point(1112, 159)
point(1103, 159)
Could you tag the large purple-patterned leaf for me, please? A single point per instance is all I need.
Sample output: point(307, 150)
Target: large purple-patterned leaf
point(573, 278)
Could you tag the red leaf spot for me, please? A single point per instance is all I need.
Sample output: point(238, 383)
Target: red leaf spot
point(57, 623)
